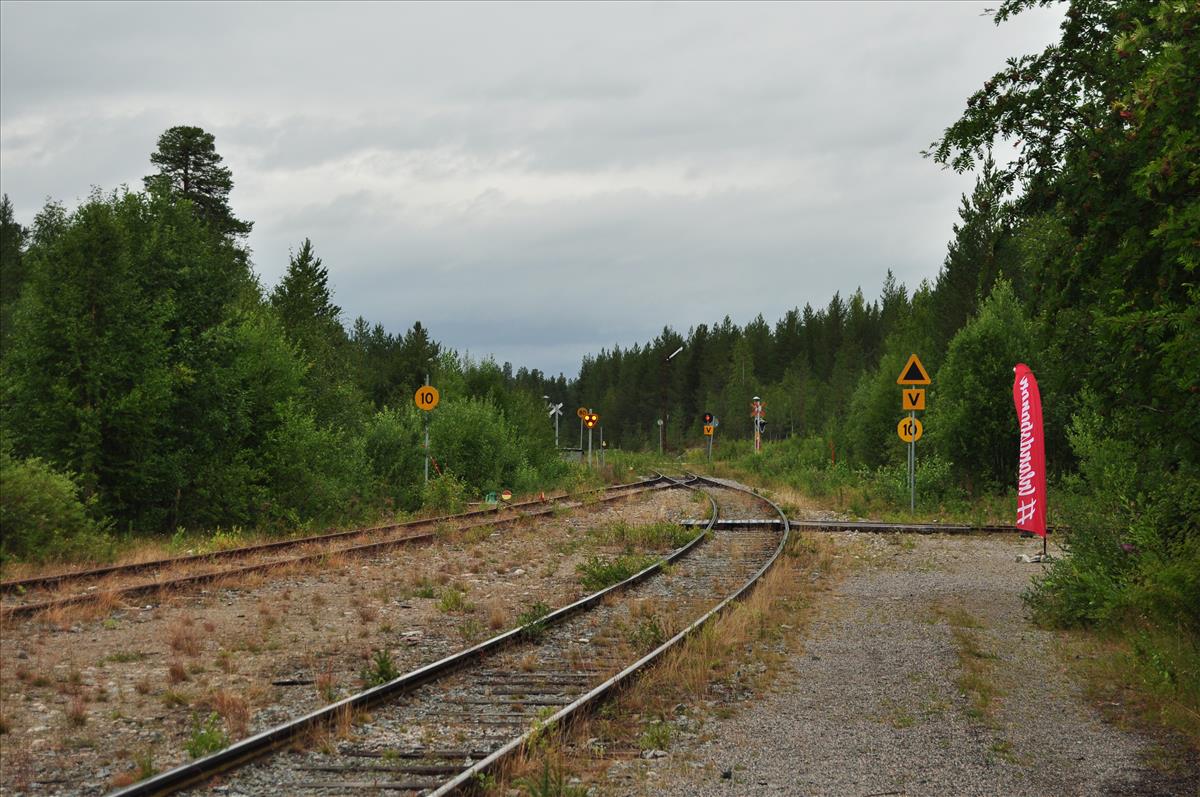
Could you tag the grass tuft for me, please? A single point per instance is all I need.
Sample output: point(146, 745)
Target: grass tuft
point(382, 670)
point(207, 736)
point(597, 572)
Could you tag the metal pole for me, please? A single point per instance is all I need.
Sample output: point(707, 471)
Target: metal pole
point(589, 448)
point(710, 437)
point(912, 464)
point(426, 438)
point(556, 415)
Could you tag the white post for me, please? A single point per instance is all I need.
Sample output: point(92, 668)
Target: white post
point(427, 439)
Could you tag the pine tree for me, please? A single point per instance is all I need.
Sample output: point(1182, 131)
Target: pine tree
point(189, 166)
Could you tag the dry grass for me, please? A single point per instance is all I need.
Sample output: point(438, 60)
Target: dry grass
point(233, 709)
point(77, 711)
point(497, 616)
point(326, 684)
point(123, 779)
point(794, 502)
point(184, 639)
point(343, 723)
point(59, 617)
point(177, 673)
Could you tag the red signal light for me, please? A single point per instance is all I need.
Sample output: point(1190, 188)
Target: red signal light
point(708, 419)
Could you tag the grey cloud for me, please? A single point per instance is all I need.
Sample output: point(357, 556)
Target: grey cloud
point(692, 160)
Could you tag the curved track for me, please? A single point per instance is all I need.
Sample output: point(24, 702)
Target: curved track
point(25, 597)
point(438, 728)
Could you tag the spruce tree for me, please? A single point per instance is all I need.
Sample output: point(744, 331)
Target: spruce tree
point(12, 267)
point(304, 302)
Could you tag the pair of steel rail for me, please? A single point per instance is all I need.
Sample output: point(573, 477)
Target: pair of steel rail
point(567, 703)
point(480, 517)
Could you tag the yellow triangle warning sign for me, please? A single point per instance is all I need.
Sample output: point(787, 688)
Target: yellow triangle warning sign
point(913, 373)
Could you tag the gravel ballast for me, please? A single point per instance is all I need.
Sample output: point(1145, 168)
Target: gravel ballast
point(878, 700)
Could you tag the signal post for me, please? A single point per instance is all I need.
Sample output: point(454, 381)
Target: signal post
point(910, 429)
point(710, 429)
point(590, 419)
point(758, 412)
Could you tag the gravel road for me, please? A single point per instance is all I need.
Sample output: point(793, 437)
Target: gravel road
point(880, 700)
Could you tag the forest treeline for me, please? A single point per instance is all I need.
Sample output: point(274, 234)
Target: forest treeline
point(150, 382)
point(1078, 257)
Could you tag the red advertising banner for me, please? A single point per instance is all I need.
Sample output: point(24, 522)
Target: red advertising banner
point(1031, 464)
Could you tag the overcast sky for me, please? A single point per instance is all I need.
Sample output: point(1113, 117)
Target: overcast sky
point(465, 164)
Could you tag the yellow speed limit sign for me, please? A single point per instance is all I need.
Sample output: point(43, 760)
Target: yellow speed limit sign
point(581, 412)
point(426, 398)
point(909, 429)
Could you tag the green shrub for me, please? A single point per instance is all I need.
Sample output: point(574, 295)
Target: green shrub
point(657, 736)
point(393, 442)
point(381, 671)
point(661, 536)
point(207, 737)
point(1132, 563)
point(551, 782)
point(445, 494)
point(454, 601)
point(531, 621)
point(312, 471)
point(43, 516)
point(647, 634)
point(597, 573)
point(472, 440)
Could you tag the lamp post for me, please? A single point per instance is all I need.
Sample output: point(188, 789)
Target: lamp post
point(662, 421)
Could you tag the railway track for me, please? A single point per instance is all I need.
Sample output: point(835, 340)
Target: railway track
point(30, 596)
point(437, 729)
point(878, 526)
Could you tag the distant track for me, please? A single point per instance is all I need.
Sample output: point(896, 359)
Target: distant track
point(884, 527)
point(435, 730)
point(30, 596)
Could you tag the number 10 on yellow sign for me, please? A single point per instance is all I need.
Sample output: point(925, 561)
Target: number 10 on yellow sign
point(909, 429)
point(426, 398)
